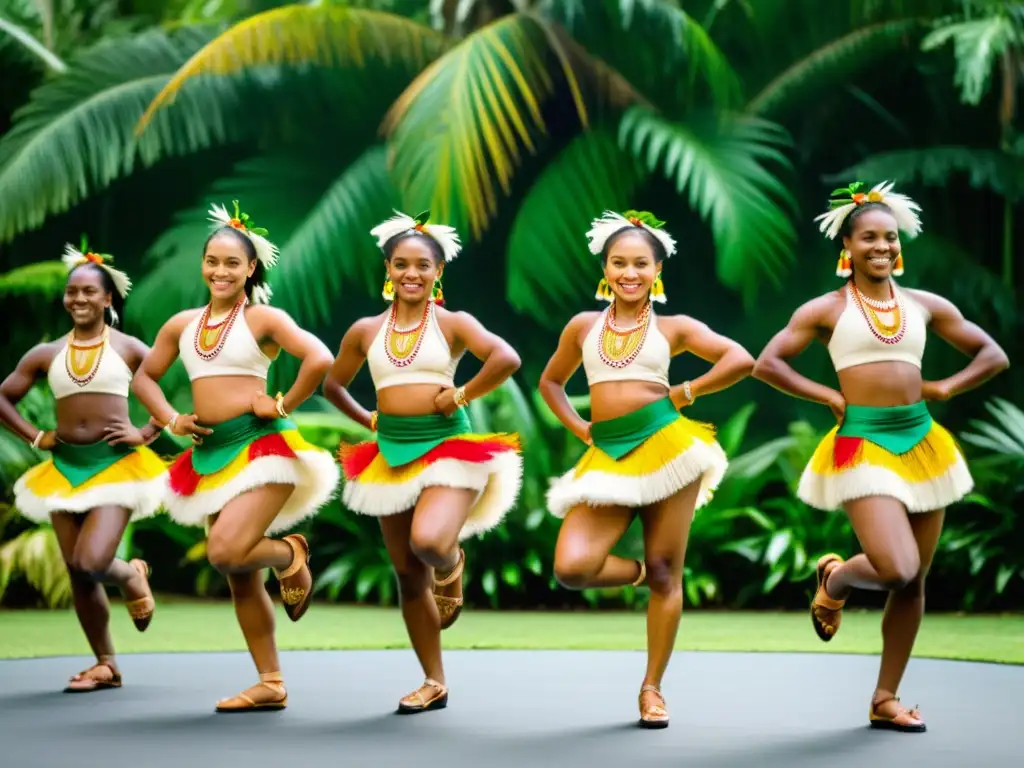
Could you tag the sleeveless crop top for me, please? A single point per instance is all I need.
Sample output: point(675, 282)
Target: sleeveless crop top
point(401, 358)
point(602, 362)
point(233, 351)
point(855, 341)
point(95, 368)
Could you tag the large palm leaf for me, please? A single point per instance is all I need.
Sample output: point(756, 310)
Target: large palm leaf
point(549, 266)
point(725, 164)
point(460, 131)
point(30, 44)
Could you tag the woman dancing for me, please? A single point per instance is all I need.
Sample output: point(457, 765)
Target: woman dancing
point(430, 479)
point(100, 474)
point(249, 472)
point(887, 463)
point(645, 457)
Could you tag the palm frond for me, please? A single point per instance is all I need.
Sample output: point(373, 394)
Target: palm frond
point(29, 43)
point(724, 163)
point(1004, 435)
point(1001, 172)
point(976, 44)
point(458, 132)
point(36, 555)
point(324, 35)
point(75, 134)
point(549, 266)
point(832, 65)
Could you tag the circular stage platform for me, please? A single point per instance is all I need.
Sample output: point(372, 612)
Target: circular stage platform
point(508, 708)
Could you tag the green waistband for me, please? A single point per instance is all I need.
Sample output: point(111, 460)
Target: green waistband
point(402, 439)
point(896, 428)
point(619, 436)
point(80, 463)
point(230, 438)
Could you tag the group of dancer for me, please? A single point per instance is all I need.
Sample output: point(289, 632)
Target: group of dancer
point(249, 476)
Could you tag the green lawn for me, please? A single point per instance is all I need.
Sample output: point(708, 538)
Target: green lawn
point(210, 626)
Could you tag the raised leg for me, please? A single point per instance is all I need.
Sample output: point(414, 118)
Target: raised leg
point(439, 516)
point(585, 541)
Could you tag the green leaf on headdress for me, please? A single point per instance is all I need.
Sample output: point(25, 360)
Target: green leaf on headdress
point(261, 231)
point(423, 217)
point(238, 213)
point(646, 217)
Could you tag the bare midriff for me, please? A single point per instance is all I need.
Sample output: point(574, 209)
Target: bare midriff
point(881, 384)
point(216, 399)
point(409, 399)
point(81, 419)
point(611, 399)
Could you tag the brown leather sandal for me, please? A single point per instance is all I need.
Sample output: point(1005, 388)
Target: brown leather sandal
point(416, 702)
point(243, 702)
point(449, 608)
point(826, 613)
point(296, 581)
point(141, 610)
point(654, 716)
point(91, 683)
point(905, 721)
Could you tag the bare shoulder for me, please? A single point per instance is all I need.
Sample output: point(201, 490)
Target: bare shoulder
point(177, 322)
point(365, 328)
point(935, 304)
point(266, 316)
point(128, 343)
point(821, 311)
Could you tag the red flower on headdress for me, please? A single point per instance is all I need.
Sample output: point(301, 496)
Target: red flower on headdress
point(859, 198)
point(95, 258)
point(237, 224)
point(634, 221)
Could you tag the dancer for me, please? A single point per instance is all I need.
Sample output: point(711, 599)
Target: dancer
point(887, 463)
point(249, 472)
point(100, 474)
point(430, 479)
point(644, 457)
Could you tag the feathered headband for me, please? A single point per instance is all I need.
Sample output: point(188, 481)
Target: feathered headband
point(73, 257)
point(401, 223)
point(266, 251)
point(902, 207)
point(610, 223)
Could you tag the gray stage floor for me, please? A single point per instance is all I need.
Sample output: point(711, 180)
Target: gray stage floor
point(524, 708)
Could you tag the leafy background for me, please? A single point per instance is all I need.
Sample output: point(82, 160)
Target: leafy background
point(517, 121)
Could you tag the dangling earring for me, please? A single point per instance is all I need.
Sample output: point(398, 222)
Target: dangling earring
point(389, 289)
point(658, 290)
point(114, 317)
point(437, 294)
point(844, 268)
point(604, 291)
point(897, 269)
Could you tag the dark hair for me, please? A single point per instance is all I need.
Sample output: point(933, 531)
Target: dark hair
point(258, 276)
point(435, 247)
point(113, 314)
point(847, 228)
point(656, 246)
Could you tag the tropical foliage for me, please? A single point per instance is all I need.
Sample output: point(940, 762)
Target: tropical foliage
point(518, 121)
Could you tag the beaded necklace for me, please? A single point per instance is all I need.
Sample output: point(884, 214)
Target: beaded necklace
point(618, 348)
point(82, 361)
point(209, 339)
point(402, 347)
point(886, 332)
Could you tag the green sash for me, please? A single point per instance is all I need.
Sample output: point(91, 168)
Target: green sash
point(402, 439)
point(230, 438)
point(619, 436)
point(896, 428)
point(80, 463)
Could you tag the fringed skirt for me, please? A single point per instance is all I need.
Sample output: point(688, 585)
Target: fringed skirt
point(412, 453)
point(899, 452)
point(248, 452)
point(640, 459)
point(79, 478)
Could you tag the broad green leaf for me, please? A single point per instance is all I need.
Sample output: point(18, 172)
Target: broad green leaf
point(976, 44)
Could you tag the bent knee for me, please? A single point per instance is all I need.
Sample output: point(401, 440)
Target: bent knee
point(664, 576)
point(90, 563)
point(896, 574)
point(574, 572)
point(430, 547)
point(224, 555)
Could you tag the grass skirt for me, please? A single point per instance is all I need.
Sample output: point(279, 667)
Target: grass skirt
point(246, 453)
point(412, 453)
point(612, 473)
point(79, 478)
point(924, 471)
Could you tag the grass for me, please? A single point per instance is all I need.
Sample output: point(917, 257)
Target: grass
point(183, 626)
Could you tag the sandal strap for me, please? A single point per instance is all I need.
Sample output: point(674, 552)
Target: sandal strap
point(456, 571)
point(643, 574)
point(300, 554)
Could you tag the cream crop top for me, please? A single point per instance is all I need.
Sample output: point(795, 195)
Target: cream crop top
point(94, 368)
point(231, 352)
point(394, 360)
point(854, 340)
point(650, 362)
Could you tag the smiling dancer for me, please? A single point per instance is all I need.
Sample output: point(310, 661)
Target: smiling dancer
point(430, 479)
point(645, 457)
point(100, 474)
point(887, 463)
point(249, 472)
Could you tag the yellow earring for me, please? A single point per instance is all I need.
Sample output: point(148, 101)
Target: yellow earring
point(604, 291)
point(658, 290)
point(897, 269)
point(389, 289)
point(844, 268)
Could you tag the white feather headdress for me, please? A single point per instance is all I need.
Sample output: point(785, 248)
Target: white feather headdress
point(73, 257)
point(401, 223)
point(902, 207)
point(610, 222)
point(266, 251)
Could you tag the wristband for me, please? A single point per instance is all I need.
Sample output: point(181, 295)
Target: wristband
point(38, 438)
point(279, 399)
